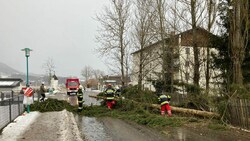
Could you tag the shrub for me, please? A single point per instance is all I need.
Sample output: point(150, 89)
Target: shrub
point(134, 93)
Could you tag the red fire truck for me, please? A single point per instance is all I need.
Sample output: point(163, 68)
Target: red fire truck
point(72, 85)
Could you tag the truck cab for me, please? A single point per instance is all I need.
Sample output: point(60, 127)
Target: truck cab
point(72, 85)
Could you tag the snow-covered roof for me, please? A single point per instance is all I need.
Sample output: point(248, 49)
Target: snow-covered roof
point(9, 82)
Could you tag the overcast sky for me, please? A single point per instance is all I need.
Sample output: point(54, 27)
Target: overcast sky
point(63, 30)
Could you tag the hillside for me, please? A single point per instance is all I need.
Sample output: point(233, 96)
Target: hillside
point(7, 70)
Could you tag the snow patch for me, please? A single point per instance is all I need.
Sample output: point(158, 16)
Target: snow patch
point(18, 126)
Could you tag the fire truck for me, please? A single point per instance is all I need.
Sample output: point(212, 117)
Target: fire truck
point(72, 85)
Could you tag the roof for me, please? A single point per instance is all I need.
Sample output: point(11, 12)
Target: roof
point(185, 40)
point(55, 77)
point(10, 82)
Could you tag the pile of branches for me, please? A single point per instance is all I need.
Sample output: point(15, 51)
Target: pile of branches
point(51, 105)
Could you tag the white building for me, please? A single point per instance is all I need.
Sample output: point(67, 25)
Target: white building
point(54, 82)
point(183, 60)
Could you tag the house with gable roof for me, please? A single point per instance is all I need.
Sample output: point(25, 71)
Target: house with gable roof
point(183, 59)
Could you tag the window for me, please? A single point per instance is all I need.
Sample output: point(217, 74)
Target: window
point(187, 50)
point(72, 84)
point(186, 63)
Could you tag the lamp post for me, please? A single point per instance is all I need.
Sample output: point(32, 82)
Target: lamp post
point(27, 54)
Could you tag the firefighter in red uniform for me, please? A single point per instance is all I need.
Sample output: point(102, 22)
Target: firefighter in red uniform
point(110, 96)
point(164, 100)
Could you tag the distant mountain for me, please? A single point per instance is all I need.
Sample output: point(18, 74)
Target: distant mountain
point(7, 70)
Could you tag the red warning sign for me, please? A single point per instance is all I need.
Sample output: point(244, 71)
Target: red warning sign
point(28, 92)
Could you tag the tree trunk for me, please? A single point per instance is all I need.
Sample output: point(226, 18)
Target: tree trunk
point(140, 71)
point(164, 50)
point(237, 41)
point(196, 77)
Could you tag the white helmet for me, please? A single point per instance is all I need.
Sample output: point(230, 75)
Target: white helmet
point(80, 87)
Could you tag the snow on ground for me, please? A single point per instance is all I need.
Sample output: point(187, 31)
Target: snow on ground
point(49, 126)
point(17, 128)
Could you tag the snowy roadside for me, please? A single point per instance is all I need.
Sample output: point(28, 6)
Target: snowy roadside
point(49, 126)
point(18, 127)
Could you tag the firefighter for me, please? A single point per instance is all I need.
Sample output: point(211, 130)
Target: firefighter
point(118, 92)
point(110, 96)
point(164, 100)
point(80, 98)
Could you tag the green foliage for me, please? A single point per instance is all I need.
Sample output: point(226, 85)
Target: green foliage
point(158, 84)
point(239, 91)
point(196, 97)
point(96, 111)
point(222, 106)
point(126, 105)
point(192, 89)
point(125, 109)
point(145, 96)
point(51, 105)
point(101, 94)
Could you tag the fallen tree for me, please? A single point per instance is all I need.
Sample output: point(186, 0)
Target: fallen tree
point(177, 109)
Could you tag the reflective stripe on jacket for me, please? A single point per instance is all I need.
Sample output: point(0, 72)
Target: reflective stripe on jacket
point(110, 94)
point(79, 93)
point(164, 99)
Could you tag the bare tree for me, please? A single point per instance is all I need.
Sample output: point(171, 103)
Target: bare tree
point(87, 73)
point(112, 35)
point(160, 7)
point(49, 68)
point(143, 36)
point(98, 74)
point(127, 64)
point(195, 47)
point(211, 13)
point(195, 9)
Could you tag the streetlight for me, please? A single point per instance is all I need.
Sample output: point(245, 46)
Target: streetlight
point(27, 54)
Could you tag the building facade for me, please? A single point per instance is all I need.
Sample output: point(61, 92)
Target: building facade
point(183, 60)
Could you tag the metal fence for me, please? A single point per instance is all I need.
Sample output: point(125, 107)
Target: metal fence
point(239, 113)
point(11, 106)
